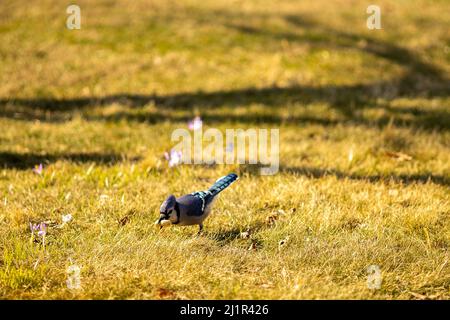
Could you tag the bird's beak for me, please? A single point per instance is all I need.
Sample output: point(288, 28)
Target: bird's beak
point(158, 222)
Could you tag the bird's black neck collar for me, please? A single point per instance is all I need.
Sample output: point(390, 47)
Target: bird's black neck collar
point(177, 210)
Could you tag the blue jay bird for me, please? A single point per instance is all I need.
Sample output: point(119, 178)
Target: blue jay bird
point(192, 208)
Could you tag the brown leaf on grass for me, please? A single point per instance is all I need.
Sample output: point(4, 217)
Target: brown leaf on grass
point(125, 219)
point(399, 156)
point(253, 246)
point(270, 220)
point(418, 295)
point(425, 297)
point(283, 242)
point(267, 285)
point(351, 224)
point(164, 293)
point(245, 234)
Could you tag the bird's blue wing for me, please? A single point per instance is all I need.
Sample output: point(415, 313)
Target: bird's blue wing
point(194, 204)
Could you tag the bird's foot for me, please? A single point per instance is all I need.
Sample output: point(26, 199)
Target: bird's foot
point(200, 230)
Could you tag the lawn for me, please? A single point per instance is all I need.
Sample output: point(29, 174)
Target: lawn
point(364, 122)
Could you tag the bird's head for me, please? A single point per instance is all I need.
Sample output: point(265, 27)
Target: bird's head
point(167, 212)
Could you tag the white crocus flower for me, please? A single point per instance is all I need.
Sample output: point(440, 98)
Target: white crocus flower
point(66, 218)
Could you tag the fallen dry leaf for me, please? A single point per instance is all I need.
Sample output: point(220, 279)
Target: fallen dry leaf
point(283, 242)
point(266, 285)
point(399, 156)
point(164, 293)
point(418, 295)
point(253, 246)
point(125, 219)
point(270, 220)
point(245, 235)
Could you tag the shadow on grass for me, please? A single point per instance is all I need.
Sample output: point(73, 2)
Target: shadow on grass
point(224, 237)
point(24, 161)
point(406, 179)
point(420, 79)
point(305, 30)
point(357, 98)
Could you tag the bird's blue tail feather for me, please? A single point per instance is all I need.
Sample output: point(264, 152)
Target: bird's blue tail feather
point(207, 196)
point(222, 183)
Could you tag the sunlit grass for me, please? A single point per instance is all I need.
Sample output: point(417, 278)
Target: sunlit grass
point(364, 149)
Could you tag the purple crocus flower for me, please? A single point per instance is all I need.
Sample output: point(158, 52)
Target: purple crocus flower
point(38, 169)
point(195, 124)
point(34, 227)
point(174, 157)
point(42, 229)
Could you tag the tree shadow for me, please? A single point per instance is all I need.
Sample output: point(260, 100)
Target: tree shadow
point(421, 79)
point(323, 35)
point(23, 161)
point(273, 99)
point(406, 179)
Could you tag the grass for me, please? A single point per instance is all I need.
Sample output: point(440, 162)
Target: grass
point(97, 107)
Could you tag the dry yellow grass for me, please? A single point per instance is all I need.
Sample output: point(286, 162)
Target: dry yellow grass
point(364, 148)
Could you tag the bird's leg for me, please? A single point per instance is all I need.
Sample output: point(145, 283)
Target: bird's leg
point(200, 228)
